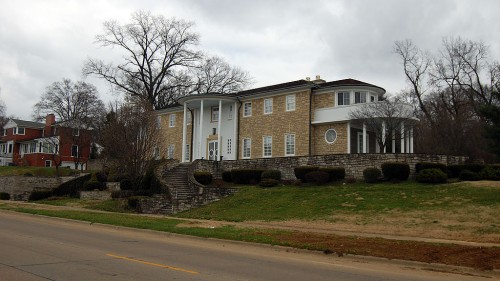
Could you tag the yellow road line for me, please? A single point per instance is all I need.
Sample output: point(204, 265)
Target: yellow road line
point(153, 264)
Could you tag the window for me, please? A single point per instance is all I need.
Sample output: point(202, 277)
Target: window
point(267, 143)
point(24, 148)
point(171, 122)
point(268, 106)
point(75, 132)
point(330, 136)
point(18, 131)
point(247, 143)
point(289, 145)
point(10, 147)
point(215, 114)
point(4, 132)
point(343, 98)
point(187, 152)
point(247, 109)
point(290, 103)
point(74, 151)
point(372, 98)
point(48, 163)
point(158, 122)
point(170, 152)
point(230, 115)
point(359, 97)
point(229, 146)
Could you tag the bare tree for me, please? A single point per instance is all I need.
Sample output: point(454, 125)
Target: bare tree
point(384, 117)
point(71, 101)
point(157, 51)
point(130, 138)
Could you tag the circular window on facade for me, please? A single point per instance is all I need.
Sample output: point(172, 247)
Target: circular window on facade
point(330, 136)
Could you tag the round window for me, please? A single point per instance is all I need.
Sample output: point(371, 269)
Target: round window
point(330, 136)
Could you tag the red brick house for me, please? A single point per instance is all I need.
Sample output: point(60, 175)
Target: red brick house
point(27, 143)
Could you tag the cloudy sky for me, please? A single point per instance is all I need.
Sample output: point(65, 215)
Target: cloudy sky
point(43, 41)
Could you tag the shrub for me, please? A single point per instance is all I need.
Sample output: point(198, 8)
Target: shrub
point(246, 176)
point(271, 174)
point(396, 171)
point(133, 202)
point(428, 165)
point(39, 195)
point(372, 175)
point(226, 176)
point(101, 177)
point(467, 175)
point(92, 185)
point(336, 173)
point(4, 196)
point(491, 173)
point(203, 177)
point(268, 182)
point(300, 172)
point(126, 184)
point(431, 176)
point(454, 171)
point(71, 188)
point(317, 177)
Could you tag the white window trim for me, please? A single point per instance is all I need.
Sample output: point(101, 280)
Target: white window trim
point(212, 114)
point(245, 114)
point(249, 148)
point(343, 98)
point(264, 147)
point(77, 132)
point(271, 106)
point(288, 154)
point(16, 131)
point(294, 103)
point(77, 150)
point(171, 121)
point(336, 136)
point(170, 151)
point(361, 93)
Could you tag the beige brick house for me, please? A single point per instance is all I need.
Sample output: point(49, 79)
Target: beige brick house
point(297, 118)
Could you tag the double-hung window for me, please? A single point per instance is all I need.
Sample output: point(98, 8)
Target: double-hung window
point(290, 103)
point(74, 151)
point(171, 122)
point(268, 106)
point(267, 146)
point(289, 144)
point(18, 131)
point(170, 152)
point(247, 145)
point(215, 114)
point(247, 109)
point(359, 97)
point(343, 98)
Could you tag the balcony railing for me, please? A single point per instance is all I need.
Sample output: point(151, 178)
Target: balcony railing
point(341, 113)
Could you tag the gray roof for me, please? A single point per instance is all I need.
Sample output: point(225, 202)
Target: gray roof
point(28, 124)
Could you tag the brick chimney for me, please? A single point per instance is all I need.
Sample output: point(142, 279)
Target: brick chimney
point(50, 120)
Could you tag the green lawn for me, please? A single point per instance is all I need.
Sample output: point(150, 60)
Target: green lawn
point(35, 171)
point(320, 202)
point(117, 205)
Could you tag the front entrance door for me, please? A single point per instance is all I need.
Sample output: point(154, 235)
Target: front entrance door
point(213, 150)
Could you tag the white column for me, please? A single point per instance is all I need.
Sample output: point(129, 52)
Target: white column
point(234, 142)
point(402, 137)
point(364, 138)
point(411, 140)
point(407, 140)
point(393, 141)
point(200, 138)
point(383, 137)
point(349, 137)
point(219, 146)
point(377, 145)
point(184, 134)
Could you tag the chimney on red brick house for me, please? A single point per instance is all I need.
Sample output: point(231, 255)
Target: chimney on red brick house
point(50, 120)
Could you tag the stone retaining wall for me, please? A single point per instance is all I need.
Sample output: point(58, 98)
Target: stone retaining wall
point(20, 187)
point(95, 195)
point(354, 164)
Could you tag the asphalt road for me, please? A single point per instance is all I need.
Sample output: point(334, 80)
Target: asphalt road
point(39, 248)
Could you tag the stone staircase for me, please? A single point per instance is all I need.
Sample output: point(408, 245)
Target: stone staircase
point(177, 179)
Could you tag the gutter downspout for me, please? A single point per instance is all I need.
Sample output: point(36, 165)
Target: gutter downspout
point(237, 142)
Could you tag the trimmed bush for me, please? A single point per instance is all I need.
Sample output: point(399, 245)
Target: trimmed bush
point(92, 185)
point(4, 196)
point(372, 175)
point(431, 176)
point(246, 176)
point(467, 175)
point(268, 182)
point(39, 195)
point(300, 172)
point(336, 173)
point(396, 171)
point(226, 176)
point(317, 177)
point(428, 165)
point(101, 177)
point(203, 177)
point(454, 171)
point(271, 174)
point(133, 202)
point(491, 173)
